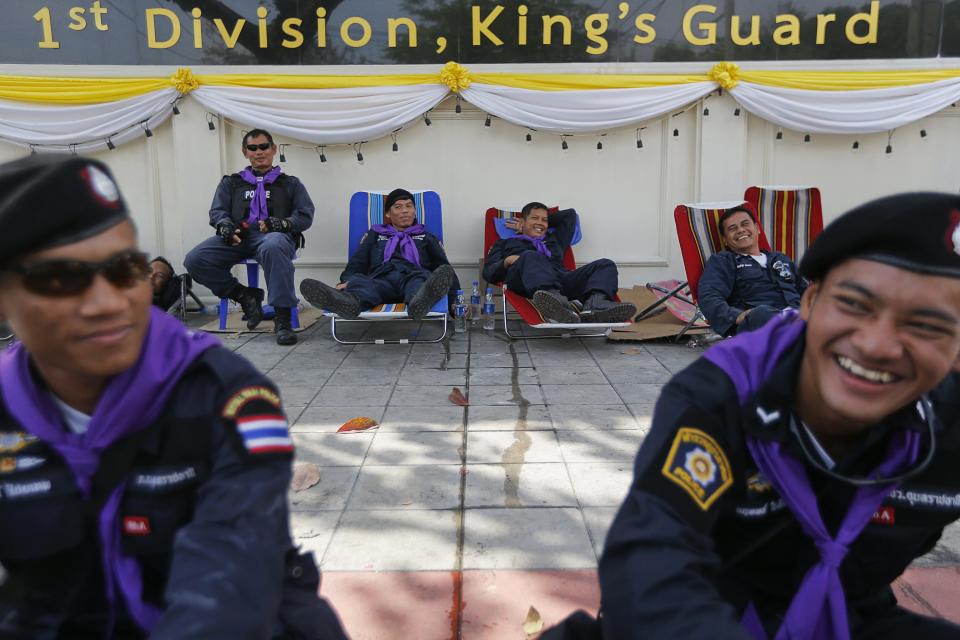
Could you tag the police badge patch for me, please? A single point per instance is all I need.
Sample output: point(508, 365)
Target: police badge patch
point(698, 465)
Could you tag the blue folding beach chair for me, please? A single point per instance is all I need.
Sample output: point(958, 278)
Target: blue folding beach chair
point(366, 210)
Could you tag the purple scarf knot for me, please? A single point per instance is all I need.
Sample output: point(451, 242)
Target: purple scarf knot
point(401, 239)
point(832, 552)
point(131, 401)
point(258, 205)
point(538, 243)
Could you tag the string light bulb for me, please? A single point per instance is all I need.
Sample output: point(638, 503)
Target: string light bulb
point(146, 129)
point(110, 144)
point(358, 147)
point(676, 133)
point(426, 119)
point(923, 133)
point(210, 124)
point(395, 146)
point(458, 108)
point(780, 134)
point(706, 111)
point(487, 122)
point(736, 112)
point(639, 140)
point(176, 109)
point(563, 143)
point(856, 145)
point(529, 138)
point(323, 157)
point(806, 137)
point(283, 157)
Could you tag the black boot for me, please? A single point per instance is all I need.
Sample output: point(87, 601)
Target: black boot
point(554, 307)
point(282, 326)
point(327, 298)
point(600, 308)
point(434, 288)
point(251, 301)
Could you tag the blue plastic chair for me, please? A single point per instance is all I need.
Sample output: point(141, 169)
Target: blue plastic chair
point(366, 210)
point(253, 281)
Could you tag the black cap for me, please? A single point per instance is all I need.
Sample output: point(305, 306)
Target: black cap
point(915, 231)
point(396, 194)
point(51, 200)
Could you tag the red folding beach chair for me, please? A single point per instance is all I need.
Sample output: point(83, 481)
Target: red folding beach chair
point(792, 217)
point(528, 313)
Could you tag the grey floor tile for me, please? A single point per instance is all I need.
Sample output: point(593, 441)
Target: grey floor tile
point(599, 520)
point(415, 447)
point(438, 360)
point(585, 394)
point(452, 345)
point(423, 396)
point(602, 484)
point(418, 376)
point(393, 541)
point(293, 411)
point(643, 413)
point(533, 417)
point(499, 360)
point(655, 373)
point(355, 395)
point(571, 375)
point(526, 539)
point(301, 393)
point(502, 376)
point(497, 395)
point(365, 377)
point(371, 357)
point(423, 419)
point(633, 393)
point(329, 419)
point(513, 447)
point(312, 530)
point(315, 378)
point(518, 485)
point(407, 487)
point(575, 417)
point(330, 494)
point(332, 449)
point(600, 445)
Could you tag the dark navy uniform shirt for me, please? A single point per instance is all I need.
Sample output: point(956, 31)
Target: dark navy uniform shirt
point(297, 205)
point(368, 258)
point(560, 232)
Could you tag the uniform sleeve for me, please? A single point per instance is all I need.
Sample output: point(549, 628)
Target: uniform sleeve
point(360, 260)
point(657, 566)
point(435, 250)
point(301, 217)
point(227, 570)
point(563, 225)
point(493, 269)
point(222, 204)
point(713, 291)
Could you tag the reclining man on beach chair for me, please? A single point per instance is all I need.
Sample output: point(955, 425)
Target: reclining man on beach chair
point(396, 262)
point(531, 264)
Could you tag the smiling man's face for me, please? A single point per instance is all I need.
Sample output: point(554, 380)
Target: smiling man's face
point(535, 224)
point(740, 233)
point(877, 338)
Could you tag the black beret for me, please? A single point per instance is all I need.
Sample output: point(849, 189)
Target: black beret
point(396, 194)
point(49, 200)
point(915, 231)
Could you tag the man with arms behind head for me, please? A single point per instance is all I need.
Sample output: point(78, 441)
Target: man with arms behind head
point(258, 213)
point(794, 472)
point(398, 261)
point(143, 467)
point(743, 287)
point(531, 264)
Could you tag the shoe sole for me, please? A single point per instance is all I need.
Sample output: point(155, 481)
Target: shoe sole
point(436, 286)
point(553, 310)
point(622, 312)
point(327, 298)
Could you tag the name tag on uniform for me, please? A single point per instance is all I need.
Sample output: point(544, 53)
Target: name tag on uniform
point(165, 479)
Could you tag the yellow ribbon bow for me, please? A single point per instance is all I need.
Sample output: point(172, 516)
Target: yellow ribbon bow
point(455, 76)
point(184, 81)
point(726, 74)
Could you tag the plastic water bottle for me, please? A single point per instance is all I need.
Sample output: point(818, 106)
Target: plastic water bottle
point(475, 303)
point(460, 313)
point(489, 311)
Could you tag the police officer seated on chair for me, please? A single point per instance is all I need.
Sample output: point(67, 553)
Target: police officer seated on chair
point(794, 472)
point(399, 261)
point(144, 467)
point(258, 213)
point(743, 287)
point(531, 264)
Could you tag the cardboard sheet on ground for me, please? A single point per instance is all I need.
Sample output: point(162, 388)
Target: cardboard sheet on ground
point(235, 323)
point(660, 325)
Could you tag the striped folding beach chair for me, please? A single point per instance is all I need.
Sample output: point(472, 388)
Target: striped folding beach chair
point(791, 217)
point(494, 229)
point(366, 210)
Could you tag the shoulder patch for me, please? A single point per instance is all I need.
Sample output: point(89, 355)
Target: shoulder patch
point(699, 466)
point(247, 395)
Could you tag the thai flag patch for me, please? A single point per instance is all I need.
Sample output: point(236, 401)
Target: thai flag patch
point(265, 433)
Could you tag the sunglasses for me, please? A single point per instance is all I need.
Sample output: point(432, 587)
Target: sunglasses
point(71, 277)
point(263, 146)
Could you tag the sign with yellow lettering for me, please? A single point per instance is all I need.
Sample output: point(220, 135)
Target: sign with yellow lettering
point(300, 32)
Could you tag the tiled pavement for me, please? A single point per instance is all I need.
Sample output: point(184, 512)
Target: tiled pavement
point(450, 522)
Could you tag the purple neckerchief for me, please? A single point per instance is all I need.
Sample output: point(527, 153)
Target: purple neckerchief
point(401, 238)
point(818, 610)
point(538, 243)
point(131, 401)
point(258, 204)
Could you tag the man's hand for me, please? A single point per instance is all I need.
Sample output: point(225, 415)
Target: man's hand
point(743, 316)
point(341, 286)
point(513, 223)
point(275, 224)
point(228, 233)
point(509, 260)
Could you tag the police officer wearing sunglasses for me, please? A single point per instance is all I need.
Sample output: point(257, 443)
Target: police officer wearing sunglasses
point(793, 473)
point(143, 467)
point(258, 213)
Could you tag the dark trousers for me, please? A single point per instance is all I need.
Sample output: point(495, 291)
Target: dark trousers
point(897, 623)
point(391, 282)
point(210, 261)
point(533, 271)
point(757, 318)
